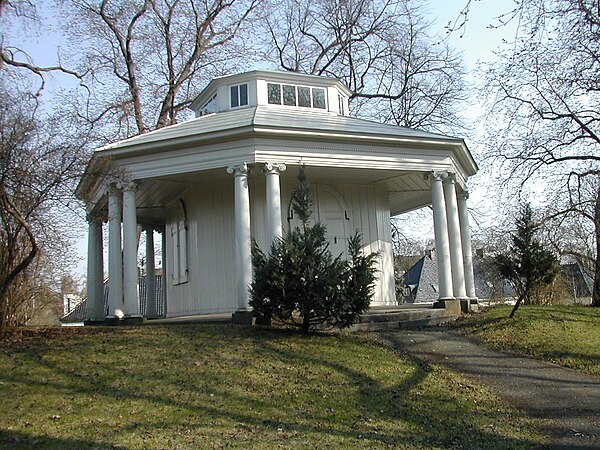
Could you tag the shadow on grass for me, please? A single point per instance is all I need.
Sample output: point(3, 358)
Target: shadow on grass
point(178, 387)
point(20, 439)
point(570, 313)
point(567, 335)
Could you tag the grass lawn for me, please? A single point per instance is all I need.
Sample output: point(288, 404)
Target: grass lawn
point(215, 386)
point(566, 335)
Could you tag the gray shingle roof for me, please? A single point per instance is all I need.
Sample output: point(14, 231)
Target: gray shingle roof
point(269, 117)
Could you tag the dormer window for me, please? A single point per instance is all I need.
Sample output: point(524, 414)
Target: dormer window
point(238, 95)
point(291, 95)
point(209, 107)
point(342, 104)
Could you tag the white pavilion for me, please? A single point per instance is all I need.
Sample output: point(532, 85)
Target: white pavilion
point(211, 184)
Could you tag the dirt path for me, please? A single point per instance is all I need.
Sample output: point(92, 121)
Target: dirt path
point(569, 398)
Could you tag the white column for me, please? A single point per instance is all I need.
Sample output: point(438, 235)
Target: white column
point(456, 253)
point(130, 270)
point(274, 227)
point(442, 246)
point(163, 248)
point(95, 271)
point(242, 234)
point(150, 278)
point(115, 257)
point(465, 233)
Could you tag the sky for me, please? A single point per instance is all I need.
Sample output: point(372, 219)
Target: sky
point(476, 41)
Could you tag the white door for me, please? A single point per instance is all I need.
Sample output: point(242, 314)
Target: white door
point(331, 212)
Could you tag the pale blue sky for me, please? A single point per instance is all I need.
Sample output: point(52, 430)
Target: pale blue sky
point(477, 42)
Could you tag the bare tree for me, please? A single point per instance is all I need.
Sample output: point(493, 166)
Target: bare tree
point(544, 107)
point(146, 59)
point(380, 49)
point(569, 221)
point(16, 57)
point(39, 165)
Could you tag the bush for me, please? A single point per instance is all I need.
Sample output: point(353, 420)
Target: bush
point(301, 284)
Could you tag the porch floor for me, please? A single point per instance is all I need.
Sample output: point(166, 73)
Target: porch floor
point(377, 318)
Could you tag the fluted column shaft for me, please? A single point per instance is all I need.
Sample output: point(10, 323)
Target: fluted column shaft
point(442, 245)
point(242, 234)
point(95, 272)
point(150, 278)
point(115, 257)
point(454, 238)
point(130, 270)
point(465, 232)
point(274, 226)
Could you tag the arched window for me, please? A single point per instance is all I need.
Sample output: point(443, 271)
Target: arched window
point(179, 245)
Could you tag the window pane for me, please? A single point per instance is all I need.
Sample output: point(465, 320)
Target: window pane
point(289, 95)
point(304, 97)
point(234, 97)
point(274, 93)
point(243, 94)
point(341, 105)
point(210, 106)
point(318, 98)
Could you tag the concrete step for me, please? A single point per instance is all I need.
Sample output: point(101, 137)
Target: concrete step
point(402, 324)
point(394, 319)
point(398, 315)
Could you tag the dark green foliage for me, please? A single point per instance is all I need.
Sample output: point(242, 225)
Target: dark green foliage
point(527, 265)
point(300, 283)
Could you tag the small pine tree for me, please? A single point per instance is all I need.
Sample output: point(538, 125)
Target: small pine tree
point(301, 284)
point(528, 266)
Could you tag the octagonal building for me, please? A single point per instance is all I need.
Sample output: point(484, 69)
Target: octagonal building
point(211, 184)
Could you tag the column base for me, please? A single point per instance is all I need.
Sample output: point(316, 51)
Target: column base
point(111, 321)
point(452, 306)
point(242, 317)
point(474, 304)
point(265, 321)
point(132, 320)
point(465, 305)
point(94, 322)
point(125, 321)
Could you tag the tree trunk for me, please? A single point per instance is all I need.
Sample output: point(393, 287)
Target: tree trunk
point(596, 289)
point(305, 320)
point(514, 310)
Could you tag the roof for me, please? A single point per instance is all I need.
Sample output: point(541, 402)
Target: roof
point(580, 282)
point(423, 276)
point(256, 118)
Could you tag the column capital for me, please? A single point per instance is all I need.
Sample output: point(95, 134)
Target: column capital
point(93, 217)
point(450, 177)
point(239, 170)
point(436, 175)
point(130, 186)
point(464, 195)
point(113, 189)
point(274, 167)
point(126, 186)
point(121, 186)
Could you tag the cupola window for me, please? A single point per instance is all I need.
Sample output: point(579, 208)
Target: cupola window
point(290, 95)
point(318, 98)
point(238, 95)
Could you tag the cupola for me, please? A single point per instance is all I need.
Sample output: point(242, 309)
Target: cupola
point(274, 89)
